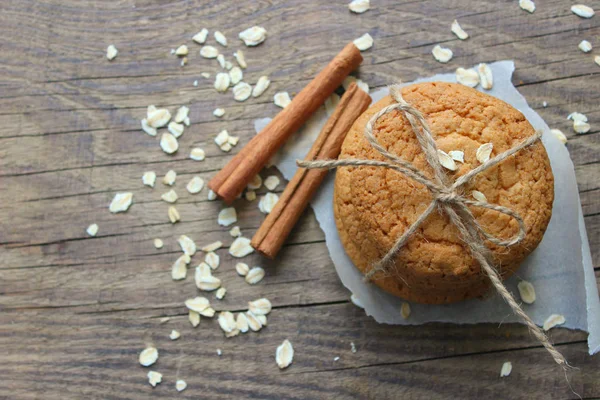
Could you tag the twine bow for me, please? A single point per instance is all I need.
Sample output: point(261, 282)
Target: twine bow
point(447, 199)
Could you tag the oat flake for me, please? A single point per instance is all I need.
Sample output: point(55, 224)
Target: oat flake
point(446, 161)
point(148, 356)
point(442, 54)
point(121, 202)
point(553, 320)
point(188, 246)
point(240, 247)
point(236, 75)
point(149, 178)
point(253, 36)
point(170, 196)
point(168, 143)
point(197, 154)
point(468, 77)
point(459, 31)
point(506, 369)
point(195, 185)
point(255, 275)
point(527, 5)
point(242, 91)
point(485, 76)
point(201, 36)
point(111, 52)
point(282, 99)
point(365, 42)
point(483, 152)
point(212, 246)
point(158, 243)
point(92, 230)
point(261, 86)
point(284, 354)
point(583, 11)
point(272, 182)
point(359, 6)
point(242, 269)
point(154, 378)
point(526, 291)
point(240, 58)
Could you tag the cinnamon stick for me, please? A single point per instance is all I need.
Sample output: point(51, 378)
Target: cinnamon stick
point(277, 226)
point(234, 177)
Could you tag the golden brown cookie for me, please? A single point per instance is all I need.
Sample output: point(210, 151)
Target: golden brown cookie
point(373, 206)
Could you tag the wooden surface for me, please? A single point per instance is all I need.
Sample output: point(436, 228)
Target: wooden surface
point(76, 311)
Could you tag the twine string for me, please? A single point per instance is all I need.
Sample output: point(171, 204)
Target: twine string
point(448, 200)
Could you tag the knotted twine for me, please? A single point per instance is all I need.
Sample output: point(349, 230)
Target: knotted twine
point(447, 200)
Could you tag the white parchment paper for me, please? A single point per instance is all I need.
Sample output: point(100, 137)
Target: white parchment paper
point(560, 268)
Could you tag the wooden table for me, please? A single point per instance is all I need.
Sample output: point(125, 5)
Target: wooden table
point(76, 310)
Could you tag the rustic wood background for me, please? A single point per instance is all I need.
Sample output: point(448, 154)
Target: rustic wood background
point(76, 311)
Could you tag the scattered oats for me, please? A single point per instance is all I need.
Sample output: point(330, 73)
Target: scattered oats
point(225, 147)
point(240, 58)
point(359, 6)
point(255, 275)
point(221, 138)
point(485, 76)
point(336, 359)
point(527, 292)
point(179, 268)
point(459, 31)
point(164, 320)
point(121, 202)
point(157, 117)
point(255, 183)
point(506, 369)
point(187, 245)
point(212, 246)
point(365, 42)
point(181, 114)
point(175, 129)
point(205, 75)
point(352, 347)
point(212, 259)
point(356, 301)
point(233, 140)
point(170, 196)
point(553, 320)
point(468, 77)
point(173, 215)
point(235, 231)
point(211, 195)
point(242, 269)
point(575, 116)
point(182, 50)
point(442, 54)
point(267, 202)
point(236, 75)
point(446, 161)
point(260, 306)
point(242, 91)
point(597, 60)
point(477, 195)
point(201, 36)
point(219, 352)
point(209, 312)
point(158, 243)
point(92, 230)
point(282, 99)
point(209, 52)
point(261, 85)
point(253, 36)
point(149, 178)
point(241, 323)
point(197, 304)
point(483, 152)
point(581, 126)
point(180, 385)
point(527, 5)
point(250, 195)
point(585, 46)
point(405, 310)
point(272, 182)
point(219, 112)
point(205, 280)
point(253, 322)
point(170, 177)
point(147, 128)
point(227, 322)
point(195, 185)
point(148, 356)
point(220, 38)
point(195, 83)
point(457, 155)
point(559, 135)
point(111, 52)
point(154, 378)
point(284, 354)
point(194, 318)
point(168, 143)
point(221, 60)
point(197, 154)
point(583, 11)
point(331, 103)
point(174, 335)
point(227, 216)
point(545, 104)
point(221, 293)
point(222, 81)
point(240, 247)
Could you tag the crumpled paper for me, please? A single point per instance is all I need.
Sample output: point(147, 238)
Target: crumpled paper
point(560, 268)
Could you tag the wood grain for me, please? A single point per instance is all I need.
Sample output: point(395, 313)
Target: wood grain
point(75, 311)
